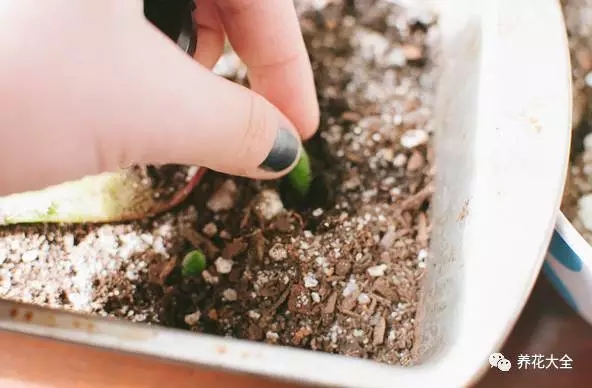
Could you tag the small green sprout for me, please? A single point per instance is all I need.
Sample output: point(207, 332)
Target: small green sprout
point(193, 263)
point(300, 177)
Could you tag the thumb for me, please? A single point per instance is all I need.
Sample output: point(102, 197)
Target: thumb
point(177, 111)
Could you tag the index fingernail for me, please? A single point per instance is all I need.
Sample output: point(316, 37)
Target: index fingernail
point(283, 153)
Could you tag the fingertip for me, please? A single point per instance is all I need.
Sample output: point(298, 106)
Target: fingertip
point(281, 154)
point(210, 34)
point(210, 47)
point(310, 124)
point(259, 142)
point(312, 116)
point(267, 37)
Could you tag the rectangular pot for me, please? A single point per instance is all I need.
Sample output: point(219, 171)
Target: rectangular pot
point(502, 143)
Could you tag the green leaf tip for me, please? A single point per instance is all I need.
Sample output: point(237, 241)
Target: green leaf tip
point(300, 177)
point(193, 263)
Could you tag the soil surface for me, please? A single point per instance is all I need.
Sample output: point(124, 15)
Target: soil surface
point(577, 200)
point(164, 181)
point(337, 271)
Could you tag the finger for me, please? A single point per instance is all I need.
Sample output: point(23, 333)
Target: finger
point(133, 97)
point(211, 36)
point(189, 115)
point(267, 36)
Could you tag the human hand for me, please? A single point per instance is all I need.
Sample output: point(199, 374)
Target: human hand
point(92, 86)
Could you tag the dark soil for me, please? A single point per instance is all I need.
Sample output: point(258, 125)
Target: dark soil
point(164, 181)
point(336, 272)
point(577, 199)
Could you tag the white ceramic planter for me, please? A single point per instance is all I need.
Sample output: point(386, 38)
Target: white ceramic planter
point(503, 120)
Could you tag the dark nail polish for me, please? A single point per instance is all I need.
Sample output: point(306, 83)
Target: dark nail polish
point(283, 153)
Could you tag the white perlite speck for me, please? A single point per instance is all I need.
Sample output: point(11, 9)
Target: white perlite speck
point(588, 79)
point(209, 278)
point(228, 64)
point(5, 281)
point(414, 137)
point(253, 314)
point(392, 335)
point(335, 332)
point(372, 44)
point(272, 336)
point(400, 160)
point(30, 256)
point(310, 281)
point(377, 270)
point(229, 295)
point(277, 252)
point(224, 197)
point(350, 288)
point(315, 297)
point(395, 57)
point(389, 237)
point(319, 4)
point(78, 300)
point(363, 299)
point(193, 318)
point(210, 229)
point(588, 142)
point(269, 204)
point(223, 265)
point(585, 211)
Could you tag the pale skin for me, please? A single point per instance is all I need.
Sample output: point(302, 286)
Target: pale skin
point(91, 86)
